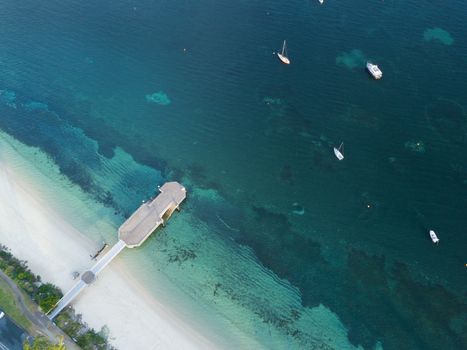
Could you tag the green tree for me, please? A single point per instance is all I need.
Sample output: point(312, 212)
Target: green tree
point(91, 340)
point(47, 296)
point(41, 343)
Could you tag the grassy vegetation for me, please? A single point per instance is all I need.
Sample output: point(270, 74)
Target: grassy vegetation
point(9, 305)
point(87, 339)
point(46, 295)
point(41, 343)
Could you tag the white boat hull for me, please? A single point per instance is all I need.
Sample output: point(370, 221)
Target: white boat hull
point(434, 237)
point(338, 154)
point(283, 59)
point(374, 70)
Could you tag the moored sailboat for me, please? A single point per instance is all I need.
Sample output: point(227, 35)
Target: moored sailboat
point(283, 54)
point(339, 152)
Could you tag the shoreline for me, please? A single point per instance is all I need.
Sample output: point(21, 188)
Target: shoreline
point(54, 246)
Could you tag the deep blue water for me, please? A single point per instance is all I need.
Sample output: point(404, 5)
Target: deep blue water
point(74, 78)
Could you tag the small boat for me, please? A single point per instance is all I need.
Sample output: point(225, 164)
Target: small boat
point(321, 1)
point(283, 54)
point(2, 314)
point(434, 237)
point(374, 70)
point(94, 257)
point(339, 152)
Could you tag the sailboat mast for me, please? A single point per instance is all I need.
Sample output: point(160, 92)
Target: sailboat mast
point(283, 54)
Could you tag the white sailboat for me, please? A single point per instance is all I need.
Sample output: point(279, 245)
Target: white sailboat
point(434, 237)
point(283, 54)
point(339, 152)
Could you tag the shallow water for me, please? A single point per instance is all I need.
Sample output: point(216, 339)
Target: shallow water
point(252, 141)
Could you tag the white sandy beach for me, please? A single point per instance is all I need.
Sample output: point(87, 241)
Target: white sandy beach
point(46, 229)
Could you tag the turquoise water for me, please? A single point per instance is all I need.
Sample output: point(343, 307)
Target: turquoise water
point(281, 242)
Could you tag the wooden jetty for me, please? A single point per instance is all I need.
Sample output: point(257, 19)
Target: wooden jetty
point(132, 233)
point(151, 215)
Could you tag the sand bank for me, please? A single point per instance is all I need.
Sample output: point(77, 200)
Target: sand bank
point(42, 220)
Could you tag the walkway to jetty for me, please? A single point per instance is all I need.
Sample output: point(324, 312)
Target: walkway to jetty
point(132, 233)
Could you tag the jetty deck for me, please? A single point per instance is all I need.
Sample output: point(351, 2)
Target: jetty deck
point(132, 233)
point(151, 215)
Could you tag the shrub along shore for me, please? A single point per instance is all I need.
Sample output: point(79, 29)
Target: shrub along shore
point(46, 295)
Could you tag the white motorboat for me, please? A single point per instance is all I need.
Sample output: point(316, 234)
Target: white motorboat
point(2, 314)
point(321, 1)
point(283, 54)
point(339, 152)
point(434, 237)
point(374, 70)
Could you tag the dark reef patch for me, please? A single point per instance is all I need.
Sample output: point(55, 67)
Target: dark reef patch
point(286, 174)
point(279, 247)
point(199, 176)
point(219, 214)
point(358, 115)
point(379, 302)
point(96, 128)
point(322, 161)
point(36, 124)
point(448, 119)
point(375, 300)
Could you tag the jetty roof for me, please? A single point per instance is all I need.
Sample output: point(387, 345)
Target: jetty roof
point(137, 228)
